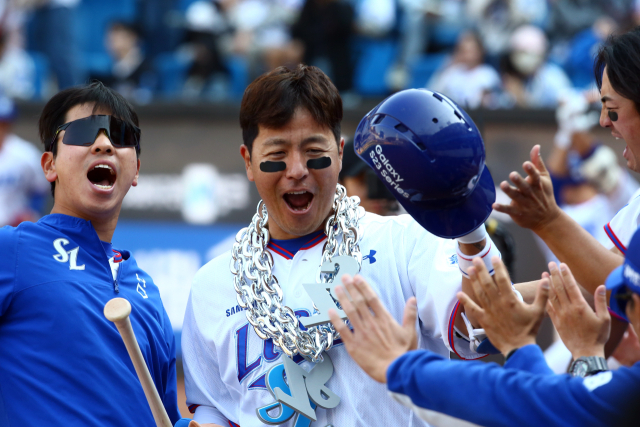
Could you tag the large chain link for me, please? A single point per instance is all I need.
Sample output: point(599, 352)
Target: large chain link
point(260, 294)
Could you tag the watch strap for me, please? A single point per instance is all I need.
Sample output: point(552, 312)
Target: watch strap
point(594, 364)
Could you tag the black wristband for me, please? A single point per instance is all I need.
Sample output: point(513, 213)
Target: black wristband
point(510, 354)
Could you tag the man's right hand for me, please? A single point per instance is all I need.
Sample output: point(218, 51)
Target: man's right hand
point(582, 330)
point(533, 205)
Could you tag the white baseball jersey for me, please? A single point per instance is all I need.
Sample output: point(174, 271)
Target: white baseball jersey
point(621, 228)
point(225, 362)
point(21, 178)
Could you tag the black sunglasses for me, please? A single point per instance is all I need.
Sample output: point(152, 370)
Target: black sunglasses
point(83, 132)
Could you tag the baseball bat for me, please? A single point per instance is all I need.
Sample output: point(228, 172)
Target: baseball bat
point(117, 311)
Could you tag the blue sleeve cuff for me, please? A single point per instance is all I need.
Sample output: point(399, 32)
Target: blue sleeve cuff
point(530, 359)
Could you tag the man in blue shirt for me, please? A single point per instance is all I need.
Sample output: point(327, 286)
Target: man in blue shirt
point(62, 363)
point(525, 392)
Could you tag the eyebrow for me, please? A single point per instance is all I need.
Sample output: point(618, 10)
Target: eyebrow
point(605, 99)
point(276, 141)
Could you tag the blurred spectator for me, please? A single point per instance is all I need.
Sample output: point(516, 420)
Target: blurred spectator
point(421, 21)
point(206, 25)
point(528, 78)
point(582, 50)
point(375, 18)
point(466, 79)
point(569, 17)
point(496, 20)
point(131, 73)
point(262, 33)
point(58, 40)
point(325, 28)
point(17, 70)
point(23, 186)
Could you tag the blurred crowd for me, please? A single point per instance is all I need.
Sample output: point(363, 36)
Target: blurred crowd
point(482, 53)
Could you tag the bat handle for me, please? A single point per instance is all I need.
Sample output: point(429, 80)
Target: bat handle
point(117, 310)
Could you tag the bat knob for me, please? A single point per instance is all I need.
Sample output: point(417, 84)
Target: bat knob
point(117, 309)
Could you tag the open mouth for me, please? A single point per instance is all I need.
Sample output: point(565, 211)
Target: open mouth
point(298, 201)
point(102, 176)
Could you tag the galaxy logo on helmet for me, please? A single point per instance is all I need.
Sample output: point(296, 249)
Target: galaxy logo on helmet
point(625, 279)
point(430, 155)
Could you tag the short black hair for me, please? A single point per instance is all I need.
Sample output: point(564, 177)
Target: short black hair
point(103, 98)
point(621, 55)
point(273, 98)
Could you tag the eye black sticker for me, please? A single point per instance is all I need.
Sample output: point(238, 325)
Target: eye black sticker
point(273, 166)
point(613, 116)
point(321, 163)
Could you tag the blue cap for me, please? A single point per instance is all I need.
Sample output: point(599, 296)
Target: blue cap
point(625, 276)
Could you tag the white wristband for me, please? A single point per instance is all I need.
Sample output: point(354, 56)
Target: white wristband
point(490, 250)
point(475, 236)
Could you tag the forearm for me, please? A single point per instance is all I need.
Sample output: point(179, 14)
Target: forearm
point(589, 261)
point(506, 396)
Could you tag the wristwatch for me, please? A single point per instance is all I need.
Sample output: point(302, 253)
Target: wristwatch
point(586, 366)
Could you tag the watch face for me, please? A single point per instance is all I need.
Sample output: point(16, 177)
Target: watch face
point(580, 368)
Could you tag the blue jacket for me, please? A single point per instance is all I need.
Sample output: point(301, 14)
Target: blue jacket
point(523, 393)
point(62, 363)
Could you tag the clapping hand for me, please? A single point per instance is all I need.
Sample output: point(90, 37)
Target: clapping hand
point(508, 322)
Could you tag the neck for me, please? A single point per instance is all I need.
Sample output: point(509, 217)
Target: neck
point(105, 226)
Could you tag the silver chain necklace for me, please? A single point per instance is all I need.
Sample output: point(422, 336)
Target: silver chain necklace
point(260, 294)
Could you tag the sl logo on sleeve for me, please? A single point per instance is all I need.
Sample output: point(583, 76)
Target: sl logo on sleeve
point(303, 393)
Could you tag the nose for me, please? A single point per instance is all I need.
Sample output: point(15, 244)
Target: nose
point(605, 121)
point(297, 167)
point(102, 144)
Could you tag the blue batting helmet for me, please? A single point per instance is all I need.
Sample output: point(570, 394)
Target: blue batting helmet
point(430, 154)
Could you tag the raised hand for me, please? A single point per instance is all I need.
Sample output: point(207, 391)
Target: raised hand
point(533, 205)
point(508, 322)
point(582, 330)
point(377, 339)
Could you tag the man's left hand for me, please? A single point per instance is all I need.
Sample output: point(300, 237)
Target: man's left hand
point(508, 322)
point(377, 339)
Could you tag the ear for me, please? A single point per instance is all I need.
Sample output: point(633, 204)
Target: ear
point(246, 156)
point(48, 164)
point(341, 151)
point(135, 178)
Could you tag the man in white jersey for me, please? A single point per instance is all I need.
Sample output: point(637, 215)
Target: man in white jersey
point(617, 72)
point(23, 187)
point(234, 368)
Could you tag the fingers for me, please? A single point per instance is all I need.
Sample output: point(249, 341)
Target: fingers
point(347, 305)
point(521, 184)
point(533, 177)
point(600, 302)
point(559, 294)
point(570, 285)
point(341, 326)
point(371, 299)
point(470, 307)
point(193, 423)
point(542, 296)
point(512, 192)
point(501, 277)
point(537, 161)
point(484, 294)
point(409, 318)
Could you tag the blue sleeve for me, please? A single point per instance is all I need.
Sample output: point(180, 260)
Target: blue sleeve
point(170, 397)
point(530, 359)
point(9, 245)
point(487, 394)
